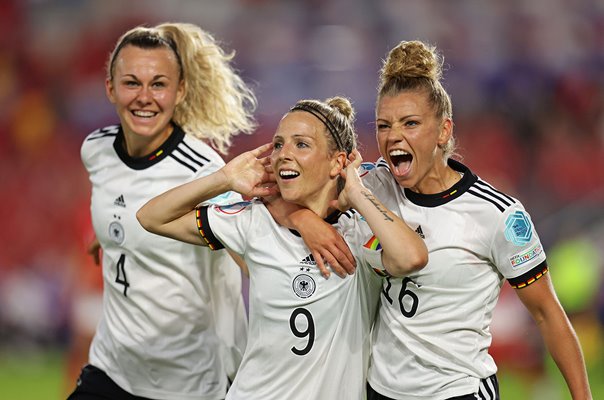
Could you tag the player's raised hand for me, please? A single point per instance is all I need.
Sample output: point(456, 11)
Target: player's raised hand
point(249, 173)
point(353, 181)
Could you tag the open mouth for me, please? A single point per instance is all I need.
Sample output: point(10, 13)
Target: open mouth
point(400, 160)
point(288, 174)
point(144, 114)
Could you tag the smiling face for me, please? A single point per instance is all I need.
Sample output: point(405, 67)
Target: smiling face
point(145, 89)
point(410, 137)
point(305, 170)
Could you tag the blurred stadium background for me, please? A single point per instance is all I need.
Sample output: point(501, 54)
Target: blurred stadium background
point(527, 81)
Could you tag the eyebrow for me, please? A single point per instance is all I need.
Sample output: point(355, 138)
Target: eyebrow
point(154, 77)
point(400, 119)
point(295, 136)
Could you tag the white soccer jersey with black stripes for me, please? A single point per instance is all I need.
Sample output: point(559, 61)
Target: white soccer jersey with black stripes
point(308, 336)
point(432, 334)
point(173, 321)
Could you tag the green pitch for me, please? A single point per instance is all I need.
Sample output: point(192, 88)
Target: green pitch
point(40, 376)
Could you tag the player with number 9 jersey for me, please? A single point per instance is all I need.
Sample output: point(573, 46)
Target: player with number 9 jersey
point(308, 336)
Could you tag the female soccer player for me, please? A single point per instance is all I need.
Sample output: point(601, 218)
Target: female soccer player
point(308, 336)
point(173, 323)
point(432, 335)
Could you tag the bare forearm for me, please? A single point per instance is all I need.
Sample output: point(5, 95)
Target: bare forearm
point(558, 334)
point(179, 201)
point(563, 345)
point(403, 251)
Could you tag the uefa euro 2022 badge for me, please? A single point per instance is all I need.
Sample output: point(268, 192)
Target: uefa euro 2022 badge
point(518, 229)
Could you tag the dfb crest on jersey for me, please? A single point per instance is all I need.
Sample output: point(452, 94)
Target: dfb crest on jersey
point(518, 229)
point(116, 232)
point(304, 286)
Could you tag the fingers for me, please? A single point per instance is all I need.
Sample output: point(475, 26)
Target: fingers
point(335, 265)
point(261, 149)
point(265, 191)
point(346, 258)
point(340, 259)
point(94, 250)
point(319, 260)
point(355, 156)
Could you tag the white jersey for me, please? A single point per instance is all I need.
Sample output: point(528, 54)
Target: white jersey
point(173, 323)
point(432, 335)
point(308, 336)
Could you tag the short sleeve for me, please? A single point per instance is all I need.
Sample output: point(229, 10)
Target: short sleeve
point(225, 225)
point(364, 244)
point(516, 249)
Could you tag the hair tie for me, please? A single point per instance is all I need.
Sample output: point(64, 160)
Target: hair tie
point(323, 118)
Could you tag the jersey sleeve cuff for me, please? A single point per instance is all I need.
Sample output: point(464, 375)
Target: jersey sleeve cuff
point(372, 253)
point(529, 277)
point(203, 226)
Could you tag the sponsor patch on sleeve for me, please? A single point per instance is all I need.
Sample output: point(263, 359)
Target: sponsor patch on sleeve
point(522, 258)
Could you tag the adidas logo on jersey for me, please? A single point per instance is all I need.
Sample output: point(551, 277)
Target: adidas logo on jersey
point(308, 260)
point(120, 201)
point(420, 232)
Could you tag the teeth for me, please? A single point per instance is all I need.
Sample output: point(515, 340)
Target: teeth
point(288, 173)
point(145, 114)
point(398, 153)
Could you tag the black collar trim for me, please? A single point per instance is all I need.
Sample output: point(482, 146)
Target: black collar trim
point(139, 163)
point(330, 219)
point(438, 199)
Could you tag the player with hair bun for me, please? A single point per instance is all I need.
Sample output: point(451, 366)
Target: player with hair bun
point(432, 335)
point(308, 336)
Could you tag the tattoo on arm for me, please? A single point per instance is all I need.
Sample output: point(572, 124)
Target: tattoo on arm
point(369, 196)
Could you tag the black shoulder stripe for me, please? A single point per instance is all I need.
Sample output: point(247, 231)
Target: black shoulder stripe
point(183, 163)
point(189, 157)
point(110, 131)
point(349, 213)
point(487, 199)
point(382, 164)
point(483, 183)
point(490, 193)
point(529, 277)
point(194, 152)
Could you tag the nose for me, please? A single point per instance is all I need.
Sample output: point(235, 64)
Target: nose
point(284, 153)
point(144, 95)
point(396, 133)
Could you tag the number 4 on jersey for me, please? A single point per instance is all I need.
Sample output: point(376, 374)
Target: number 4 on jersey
point(120, 277)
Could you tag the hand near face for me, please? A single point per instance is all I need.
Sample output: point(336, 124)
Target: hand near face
point(353, 181)
point(250, 174)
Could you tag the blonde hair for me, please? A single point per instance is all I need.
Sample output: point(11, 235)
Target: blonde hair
point(416, 66)
point(218, 104)
point(337, 114)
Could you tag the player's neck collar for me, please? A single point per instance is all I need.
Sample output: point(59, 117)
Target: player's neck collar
point(139, 163)
point(438, 199)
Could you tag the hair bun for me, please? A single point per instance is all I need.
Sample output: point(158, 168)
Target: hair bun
point(343, 105)
point(413, 59)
